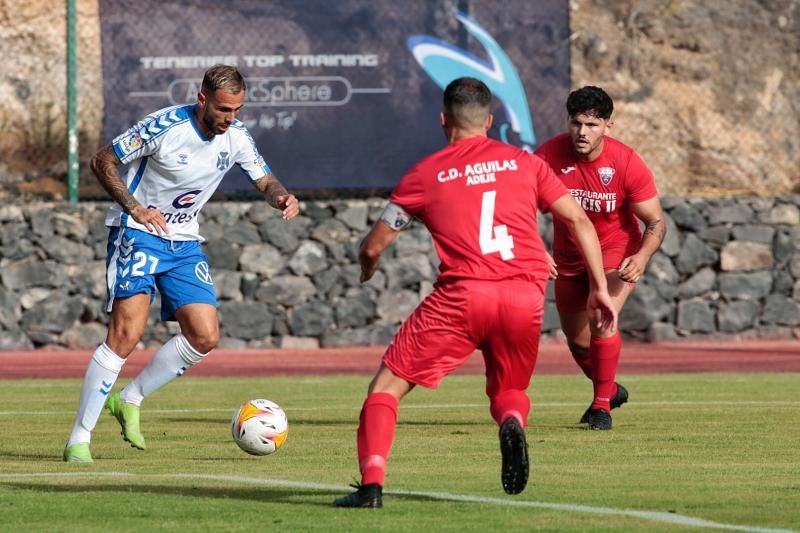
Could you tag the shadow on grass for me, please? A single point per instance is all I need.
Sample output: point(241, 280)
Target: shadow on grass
point(250, 493)
point(41, 456)
point(298, 496)
point(201, 420)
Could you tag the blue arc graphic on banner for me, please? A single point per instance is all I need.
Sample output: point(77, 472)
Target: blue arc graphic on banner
point(444, 62)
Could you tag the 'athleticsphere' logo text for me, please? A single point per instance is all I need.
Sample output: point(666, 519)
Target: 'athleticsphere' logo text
point(185, 200)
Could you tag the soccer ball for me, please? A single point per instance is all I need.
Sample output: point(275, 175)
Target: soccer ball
point(260, 427)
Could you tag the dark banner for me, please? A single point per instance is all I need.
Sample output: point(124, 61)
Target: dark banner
point(343, 94)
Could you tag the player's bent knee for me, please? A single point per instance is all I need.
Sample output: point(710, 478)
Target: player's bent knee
point(203, 343)
point(122, 341)
point(188, 352)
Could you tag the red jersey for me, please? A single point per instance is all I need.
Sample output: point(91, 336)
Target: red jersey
point(605, 188)
point(479, 199)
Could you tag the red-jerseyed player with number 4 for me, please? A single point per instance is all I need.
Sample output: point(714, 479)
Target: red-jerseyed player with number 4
point(478, 198)
point(616, 190)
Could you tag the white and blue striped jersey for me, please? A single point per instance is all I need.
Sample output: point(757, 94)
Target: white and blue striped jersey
point(175, 168)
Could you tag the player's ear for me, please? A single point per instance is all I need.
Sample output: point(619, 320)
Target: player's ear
point(609, 124)
point(201, 98)
point(443, 119)
point(488, 123)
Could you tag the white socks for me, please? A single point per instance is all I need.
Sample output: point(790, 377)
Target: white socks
point(100, 376)
point(169, 362)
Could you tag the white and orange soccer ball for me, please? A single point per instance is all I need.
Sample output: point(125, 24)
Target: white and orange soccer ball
point(260, 427)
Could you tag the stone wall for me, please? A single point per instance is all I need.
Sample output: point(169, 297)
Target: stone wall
point(728, 268)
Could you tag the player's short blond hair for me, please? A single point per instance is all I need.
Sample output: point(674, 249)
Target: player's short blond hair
point(225, 77)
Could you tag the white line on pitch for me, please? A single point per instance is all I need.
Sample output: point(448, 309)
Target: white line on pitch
point(656, 516)
point(776, 403)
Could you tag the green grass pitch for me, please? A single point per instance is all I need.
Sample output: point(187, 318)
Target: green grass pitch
point(689, 452)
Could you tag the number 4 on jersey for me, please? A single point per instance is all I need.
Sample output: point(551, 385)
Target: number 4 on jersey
point(494, 238)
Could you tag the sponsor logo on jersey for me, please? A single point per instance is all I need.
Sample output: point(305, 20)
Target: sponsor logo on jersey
point(183, 159)
point(595, 201)
point(182, 202)
point(223, 160)
point(131, 143)
point(186, 200)
point(606, 174)
point(567, 170)
point(203, 273)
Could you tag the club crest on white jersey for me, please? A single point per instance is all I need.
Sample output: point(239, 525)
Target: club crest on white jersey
point(223, 160)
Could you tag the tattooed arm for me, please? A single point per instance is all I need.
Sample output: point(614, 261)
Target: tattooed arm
point(277, 196)
point(104, 165)
point(632, 268)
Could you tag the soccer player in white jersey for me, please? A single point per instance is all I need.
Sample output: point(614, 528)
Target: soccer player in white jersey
point(177, 158)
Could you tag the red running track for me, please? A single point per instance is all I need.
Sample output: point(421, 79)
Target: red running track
point(637, 358)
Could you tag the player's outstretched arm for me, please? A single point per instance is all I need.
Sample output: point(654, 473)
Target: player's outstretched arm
point(632, 268)
point(104, 165)
point(374, 244)
point(277, 196)
point(599, 306)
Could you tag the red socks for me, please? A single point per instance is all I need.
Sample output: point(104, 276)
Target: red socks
point(379, 417)
point(604, 355)
point(375, 435)
point(510, 402)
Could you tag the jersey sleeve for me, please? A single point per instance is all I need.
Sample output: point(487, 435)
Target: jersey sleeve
point(542, 151)
point(137, 142)
point(639, 180)
point(409, 192)
point(247, 156)
point(550, 188)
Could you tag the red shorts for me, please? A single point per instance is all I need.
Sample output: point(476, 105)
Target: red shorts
point(571, 264)
point(501, 318)
point(572, 293)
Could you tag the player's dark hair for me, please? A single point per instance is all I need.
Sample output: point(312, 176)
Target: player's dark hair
point(224, 77)
point(590, 100)
point(467, 101)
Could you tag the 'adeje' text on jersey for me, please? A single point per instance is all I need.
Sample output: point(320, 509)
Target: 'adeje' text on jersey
point(596, 202)
point(477, 173)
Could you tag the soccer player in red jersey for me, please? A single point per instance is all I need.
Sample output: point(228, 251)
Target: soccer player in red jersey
point(478, 198)
point(616, 190)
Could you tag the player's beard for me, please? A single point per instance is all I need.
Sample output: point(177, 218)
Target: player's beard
point(210, 125)
point(587, 148)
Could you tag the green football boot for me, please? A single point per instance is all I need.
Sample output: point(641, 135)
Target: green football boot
point(127, 415)
point(78, 453)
